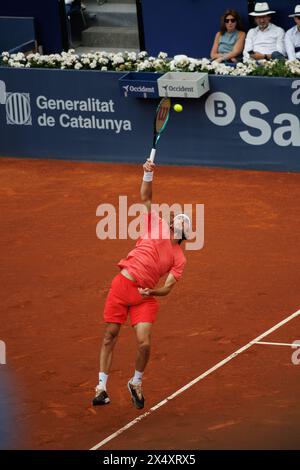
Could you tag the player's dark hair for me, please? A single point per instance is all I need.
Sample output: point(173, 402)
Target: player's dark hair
point(182, 239)
point(183, 235)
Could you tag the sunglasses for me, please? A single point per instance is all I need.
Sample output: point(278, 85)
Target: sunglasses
point(230, 20)
point(298, 17)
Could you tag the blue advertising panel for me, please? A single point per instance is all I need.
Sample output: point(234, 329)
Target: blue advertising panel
point(245, 122)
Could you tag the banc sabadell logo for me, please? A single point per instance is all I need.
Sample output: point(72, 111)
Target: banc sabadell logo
point(18, 109)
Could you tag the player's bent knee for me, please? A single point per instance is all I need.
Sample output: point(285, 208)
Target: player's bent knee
point(109, 338)
point(144, 346)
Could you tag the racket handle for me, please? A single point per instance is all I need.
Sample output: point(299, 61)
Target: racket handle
point(152, 155)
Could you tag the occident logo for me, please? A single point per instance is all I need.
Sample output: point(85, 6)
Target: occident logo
point(180, 88)
point(139, 89)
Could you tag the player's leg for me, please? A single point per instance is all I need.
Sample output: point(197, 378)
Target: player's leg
point(115, 314)
point(108, 344)
point(142, 317)
point(143, 336)
point(109, 341)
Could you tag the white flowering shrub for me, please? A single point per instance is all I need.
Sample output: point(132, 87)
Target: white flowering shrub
point(141, 62)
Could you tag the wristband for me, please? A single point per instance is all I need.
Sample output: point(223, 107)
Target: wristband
point(148, 176)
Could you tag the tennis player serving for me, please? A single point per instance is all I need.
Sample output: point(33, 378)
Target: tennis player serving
point(157, 253)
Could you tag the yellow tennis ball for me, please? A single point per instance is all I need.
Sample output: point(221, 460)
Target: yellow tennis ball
point(178, 108)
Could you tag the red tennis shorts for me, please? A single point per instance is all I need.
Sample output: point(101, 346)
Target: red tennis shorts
point(124, 298)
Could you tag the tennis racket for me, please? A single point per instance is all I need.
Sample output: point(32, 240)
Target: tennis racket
point(160, 122)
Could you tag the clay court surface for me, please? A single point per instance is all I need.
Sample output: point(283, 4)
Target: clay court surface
point(55, 275)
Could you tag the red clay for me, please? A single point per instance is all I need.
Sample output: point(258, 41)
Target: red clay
point(55, 276)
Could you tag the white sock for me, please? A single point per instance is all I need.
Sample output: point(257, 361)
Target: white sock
point(103, 379)
point(137, 378)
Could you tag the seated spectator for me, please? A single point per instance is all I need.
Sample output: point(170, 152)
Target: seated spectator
point(266, 41)
point(229, 41)
point(292, 36)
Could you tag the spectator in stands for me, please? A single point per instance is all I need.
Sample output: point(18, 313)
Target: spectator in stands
point(68, 5)
point(292, 36)
point(266, 41)
point(229, 41)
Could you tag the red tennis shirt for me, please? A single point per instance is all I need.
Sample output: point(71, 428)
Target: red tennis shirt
point(154, 255)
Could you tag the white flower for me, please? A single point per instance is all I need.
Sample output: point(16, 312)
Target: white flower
point(162, 55)
point(117, 60)
point(172, 66)
point(221, 69)
point(144, 65)
point(142, 62)
point(250, 62)
point(142, 55)
point(180, 57)
point(157, 64)
point(293, 66)
point(193, 63)
point(204, 63)
point(19, 56)
point(103, 60)
point(131, 56)
point(18, 65)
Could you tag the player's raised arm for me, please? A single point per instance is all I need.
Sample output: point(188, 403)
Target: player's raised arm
point(146, 187)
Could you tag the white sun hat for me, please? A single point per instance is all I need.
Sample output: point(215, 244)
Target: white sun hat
point(261, 9)
point(297, 11)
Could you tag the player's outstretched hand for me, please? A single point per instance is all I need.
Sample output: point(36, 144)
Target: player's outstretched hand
point(149, 165)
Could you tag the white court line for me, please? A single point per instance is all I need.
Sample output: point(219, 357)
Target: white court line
point(293, 345)
point(196, 380)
